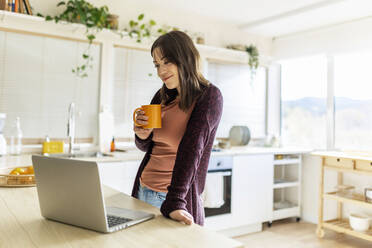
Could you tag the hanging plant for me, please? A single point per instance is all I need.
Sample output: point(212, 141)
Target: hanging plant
point(253, 60)
point(94, 19)
point(253, 55)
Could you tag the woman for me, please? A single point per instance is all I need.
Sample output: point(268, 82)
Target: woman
point(172, 173)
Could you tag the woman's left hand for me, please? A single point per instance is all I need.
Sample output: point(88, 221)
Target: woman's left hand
point(182, 216)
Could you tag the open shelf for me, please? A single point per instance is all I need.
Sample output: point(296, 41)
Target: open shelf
point(285, 209)
point(354, 199)
point(343, 226)
point(34, 25)
point(287, 161)
point(284, 184)
point(342, 163)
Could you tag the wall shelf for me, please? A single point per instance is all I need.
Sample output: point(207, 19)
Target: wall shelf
point(34, 25)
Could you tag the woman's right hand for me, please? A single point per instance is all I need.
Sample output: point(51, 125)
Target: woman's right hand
point(141, 118)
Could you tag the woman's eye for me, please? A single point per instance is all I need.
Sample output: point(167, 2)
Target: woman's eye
point(156, 66)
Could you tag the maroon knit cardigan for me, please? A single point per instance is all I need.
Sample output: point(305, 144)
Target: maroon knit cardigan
point(194, 150)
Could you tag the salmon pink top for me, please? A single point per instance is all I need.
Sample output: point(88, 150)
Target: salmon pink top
point(157, 174)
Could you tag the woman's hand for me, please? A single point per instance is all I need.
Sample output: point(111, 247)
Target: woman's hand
point(142, 133)
point(182, 216)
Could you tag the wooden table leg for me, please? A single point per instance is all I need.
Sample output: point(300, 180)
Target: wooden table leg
point(340, 181)
point(320, 231)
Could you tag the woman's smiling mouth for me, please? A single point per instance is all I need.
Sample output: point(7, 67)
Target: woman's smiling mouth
point(166, 78)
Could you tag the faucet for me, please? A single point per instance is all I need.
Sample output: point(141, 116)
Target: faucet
point(71, 127)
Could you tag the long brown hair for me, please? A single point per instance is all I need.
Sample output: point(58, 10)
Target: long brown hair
point(177, 47)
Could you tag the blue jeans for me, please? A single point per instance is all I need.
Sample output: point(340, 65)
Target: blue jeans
point(151, 197)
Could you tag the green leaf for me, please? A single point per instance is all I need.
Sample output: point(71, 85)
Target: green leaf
point(61, 3)
point(142, 26)
point(131, 23)
point(140, 17)
point(91, 37)
point(48, 18)
point(85, 56)
point(152, 23)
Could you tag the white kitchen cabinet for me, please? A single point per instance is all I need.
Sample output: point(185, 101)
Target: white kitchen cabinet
point(119, 175)
point(286, 186)
point(252, 189)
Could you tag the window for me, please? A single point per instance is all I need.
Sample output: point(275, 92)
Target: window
point(303, 102)
point(244, 99)
point(353, 101)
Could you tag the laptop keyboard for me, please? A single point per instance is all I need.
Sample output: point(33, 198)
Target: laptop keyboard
point(116, 220)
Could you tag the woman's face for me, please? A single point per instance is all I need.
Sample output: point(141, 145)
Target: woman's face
point(167, 71)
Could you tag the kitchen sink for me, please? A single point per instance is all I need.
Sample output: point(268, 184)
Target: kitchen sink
point(81, 155)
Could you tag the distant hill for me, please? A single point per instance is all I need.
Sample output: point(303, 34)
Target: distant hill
point(317, 106)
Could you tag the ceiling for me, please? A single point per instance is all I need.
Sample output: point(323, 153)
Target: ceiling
point(275, 18)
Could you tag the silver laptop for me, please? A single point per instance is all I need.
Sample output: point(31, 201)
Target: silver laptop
point(70, 192)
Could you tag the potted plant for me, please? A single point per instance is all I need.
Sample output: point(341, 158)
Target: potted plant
point(139, 29)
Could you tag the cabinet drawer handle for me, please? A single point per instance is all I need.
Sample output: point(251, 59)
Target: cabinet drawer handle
point(338, 160)
point(371, 163)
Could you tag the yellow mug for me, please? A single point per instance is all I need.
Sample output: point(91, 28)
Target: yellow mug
point(152, 111)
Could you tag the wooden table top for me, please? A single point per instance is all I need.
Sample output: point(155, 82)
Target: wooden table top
point(358, 155)
point(21, 225)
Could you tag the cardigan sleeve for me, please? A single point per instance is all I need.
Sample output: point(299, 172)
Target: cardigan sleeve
point(203, 120)
point(141, 144)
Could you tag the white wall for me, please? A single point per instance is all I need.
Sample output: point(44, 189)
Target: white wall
point(217, 33)
point(348, 37)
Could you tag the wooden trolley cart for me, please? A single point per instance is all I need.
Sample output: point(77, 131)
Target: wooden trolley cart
point(343, 162)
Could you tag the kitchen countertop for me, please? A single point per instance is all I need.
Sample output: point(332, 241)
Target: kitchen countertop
point(246, 150)
point(23, 226)
point(9, 161)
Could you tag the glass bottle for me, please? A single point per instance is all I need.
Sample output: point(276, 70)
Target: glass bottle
point(16, 138)
point(112, 147)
